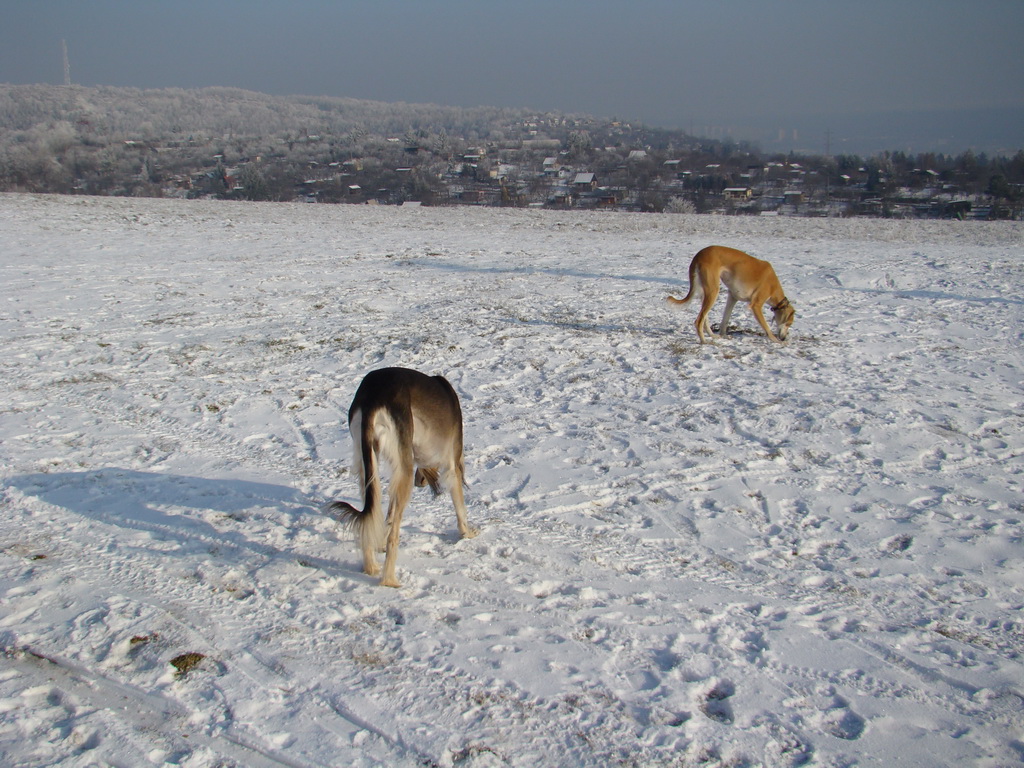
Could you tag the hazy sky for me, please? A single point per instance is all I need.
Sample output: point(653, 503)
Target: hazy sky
point(753, 66)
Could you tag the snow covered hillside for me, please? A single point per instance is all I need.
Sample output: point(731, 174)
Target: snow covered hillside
point(740, 554)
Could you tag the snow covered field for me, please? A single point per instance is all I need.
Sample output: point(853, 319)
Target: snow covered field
point(741, 554)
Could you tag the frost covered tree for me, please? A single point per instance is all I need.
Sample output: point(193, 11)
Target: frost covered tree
point(253, 182)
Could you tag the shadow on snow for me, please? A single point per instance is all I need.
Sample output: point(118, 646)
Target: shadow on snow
point(183, 509)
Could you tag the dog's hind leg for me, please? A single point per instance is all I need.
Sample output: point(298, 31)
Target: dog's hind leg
point(455, 481)
point(399, 491)
point(710, 295)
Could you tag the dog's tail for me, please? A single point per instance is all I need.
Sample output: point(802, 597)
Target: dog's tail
point(694, 288)
point(368, 522)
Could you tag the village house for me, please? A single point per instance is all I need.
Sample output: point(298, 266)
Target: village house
point(738, 193)
point(585, 181)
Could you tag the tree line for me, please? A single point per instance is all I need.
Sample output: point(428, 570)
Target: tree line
point(232, 143)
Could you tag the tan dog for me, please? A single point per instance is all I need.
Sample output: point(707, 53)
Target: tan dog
point(747, 279)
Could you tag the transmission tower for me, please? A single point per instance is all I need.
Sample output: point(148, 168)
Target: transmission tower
point(67, 66)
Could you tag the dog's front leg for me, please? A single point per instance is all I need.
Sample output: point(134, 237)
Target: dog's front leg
point(759, 314)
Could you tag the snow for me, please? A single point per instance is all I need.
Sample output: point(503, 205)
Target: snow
point(740, 554)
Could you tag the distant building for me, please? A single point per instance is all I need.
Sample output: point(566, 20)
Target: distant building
point(588, 180)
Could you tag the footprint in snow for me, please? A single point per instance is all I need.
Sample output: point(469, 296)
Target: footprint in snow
point(842, 722)
point(896, 544)
point(714, 702)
